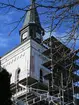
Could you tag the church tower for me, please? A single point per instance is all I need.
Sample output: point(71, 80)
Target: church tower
point(25, 61)
point(32, 27)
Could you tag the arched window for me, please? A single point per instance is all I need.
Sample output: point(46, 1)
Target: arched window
point(17, 72)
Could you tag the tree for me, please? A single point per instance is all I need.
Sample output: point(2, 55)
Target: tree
point(5, 93)
point(61, 16)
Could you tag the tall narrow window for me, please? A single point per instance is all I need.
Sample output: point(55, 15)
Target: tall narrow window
point(17, 75)
point(17, 78)
point(41, 76)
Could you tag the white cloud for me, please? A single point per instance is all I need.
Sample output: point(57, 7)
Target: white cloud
point(5, 18)
point(64, 38)
point(11, 12)
point(3, 42)
point(8, 41)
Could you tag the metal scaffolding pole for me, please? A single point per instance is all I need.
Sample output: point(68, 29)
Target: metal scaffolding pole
point(62, 93)
point(73, 93)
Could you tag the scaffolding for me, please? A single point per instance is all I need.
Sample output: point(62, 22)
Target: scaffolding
point(61, 88)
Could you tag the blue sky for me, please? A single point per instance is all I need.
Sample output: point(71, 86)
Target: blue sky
point(8, 42)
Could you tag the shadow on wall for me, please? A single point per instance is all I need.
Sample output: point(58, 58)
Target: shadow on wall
point(5, 93)
point(77, 102)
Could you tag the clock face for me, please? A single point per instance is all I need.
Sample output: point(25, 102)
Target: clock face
point(38, 35)
point(25, 35)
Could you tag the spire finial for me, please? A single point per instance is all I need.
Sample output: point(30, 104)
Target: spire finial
point(33, 1)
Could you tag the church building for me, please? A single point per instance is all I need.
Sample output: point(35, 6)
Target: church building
point(30, 66)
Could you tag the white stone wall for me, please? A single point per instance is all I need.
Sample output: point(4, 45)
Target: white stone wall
point(18, 58)
point(28, 57)
point(39, 59)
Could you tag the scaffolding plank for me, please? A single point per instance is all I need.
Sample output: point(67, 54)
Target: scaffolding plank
point(55, 42)
point(76, 89)
point(75, 78)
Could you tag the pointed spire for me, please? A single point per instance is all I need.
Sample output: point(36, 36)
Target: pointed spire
point(33, 4)
point(32, 26)
point(32, 15)
point(33, 1)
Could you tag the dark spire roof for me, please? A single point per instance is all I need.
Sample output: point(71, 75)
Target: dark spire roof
point(32, 15)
